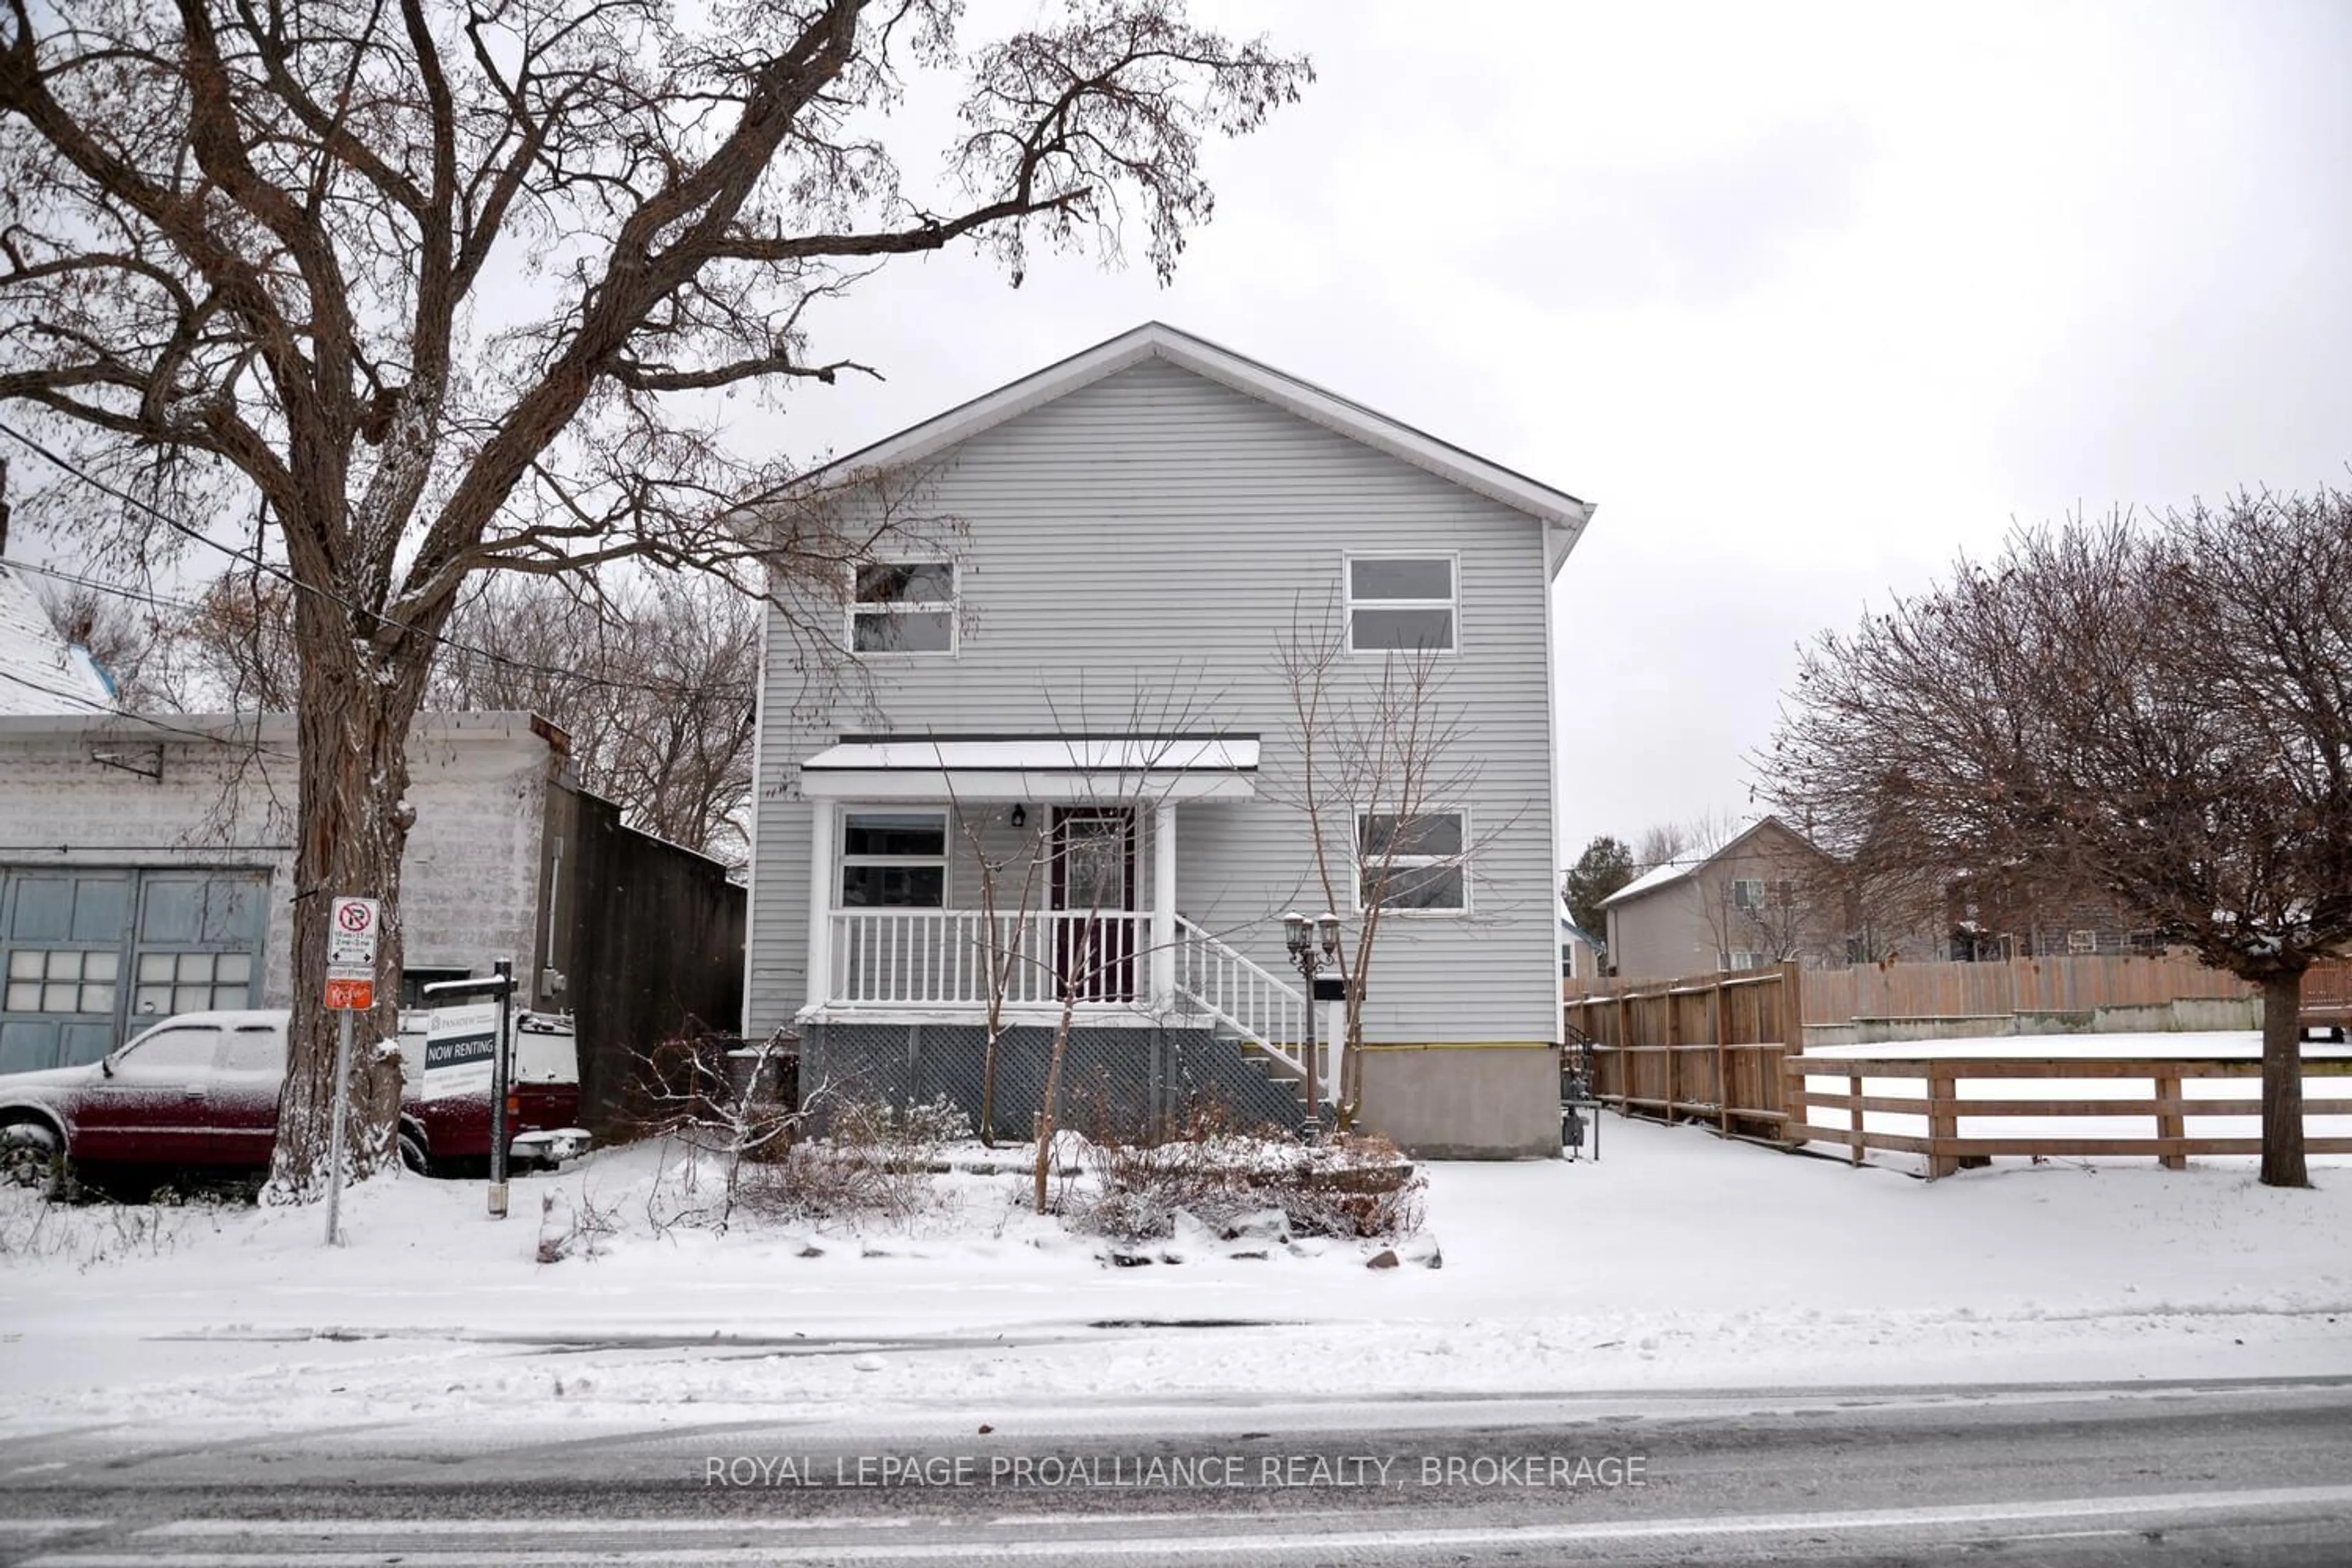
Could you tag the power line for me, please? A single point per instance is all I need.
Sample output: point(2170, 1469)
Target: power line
point(665, 688)
point(146, 721)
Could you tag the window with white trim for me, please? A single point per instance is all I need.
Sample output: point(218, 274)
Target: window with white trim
point(1748, 892)
point(1741, 958)
point(903, 606)
point(894, 861)
point(1418, 863)
point(1401, 604)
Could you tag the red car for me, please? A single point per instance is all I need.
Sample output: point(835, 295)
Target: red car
point(199, 1093)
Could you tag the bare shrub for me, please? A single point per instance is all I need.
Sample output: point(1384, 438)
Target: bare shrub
point(575, 1228)
point(875, 1159)
point(1205, 1163)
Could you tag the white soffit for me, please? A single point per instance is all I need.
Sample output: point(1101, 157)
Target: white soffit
point(1040, 768)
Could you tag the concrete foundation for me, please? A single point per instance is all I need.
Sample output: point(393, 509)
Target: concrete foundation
point(1465, 1102)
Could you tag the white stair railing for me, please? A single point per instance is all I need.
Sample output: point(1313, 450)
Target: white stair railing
point(1261, 1006)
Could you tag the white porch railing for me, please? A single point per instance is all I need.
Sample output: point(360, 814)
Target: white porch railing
point(1260, 1007)
point(959, 958)
point(955, 959)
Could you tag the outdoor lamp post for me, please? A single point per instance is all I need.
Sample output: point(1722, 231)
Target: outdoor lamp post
point(1313, 944)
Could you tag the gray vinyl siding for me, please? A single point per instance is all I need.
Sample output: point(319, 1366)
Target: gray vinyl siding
point(1153, 534)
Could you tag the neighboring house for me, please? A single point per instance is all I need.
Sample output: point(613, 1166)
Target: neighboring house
point(147, 862)
point(1767, 896)
point(40, 672)
point(1080, 673)
point(1994, 916)
point(1580, 954)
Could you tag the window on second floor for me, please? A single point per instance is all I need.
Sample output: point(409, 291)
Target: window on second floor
point(904, 606)
point(1747, 893)
point(1401, 604)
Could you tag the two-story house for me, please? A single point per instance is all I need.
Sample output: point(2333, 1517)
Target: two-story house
point(1071, 761)
point(1767, 895)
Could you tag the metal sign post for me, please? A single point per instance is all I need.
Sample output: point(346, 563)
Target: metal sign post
point(501, 985)
point(353, 924)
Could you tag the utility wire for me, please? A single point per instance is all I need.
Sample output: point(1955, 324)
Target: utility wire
point(665, 688)
point(144, 721)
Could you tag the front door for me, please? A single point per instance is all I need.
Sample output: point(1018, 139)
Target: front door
point(1094, 901)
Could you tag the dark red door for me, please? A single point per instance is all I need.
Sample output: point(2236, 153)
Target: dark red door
point(1094, 901)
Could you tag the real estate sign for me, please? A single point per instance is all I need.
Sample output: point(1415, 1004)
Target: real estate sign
point(460, 1044)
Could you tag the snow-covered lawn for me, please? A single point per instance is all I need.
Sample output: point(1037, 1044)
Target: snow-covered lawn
point(1676, 1261)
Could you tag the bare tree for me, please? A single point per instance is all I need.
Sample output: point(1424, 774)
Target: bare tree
point(423, 289)
point(656, 683)
point(2159, 716)
point(1059, 941)
point(1666, 843)
point(127, 640)
point(1383, 769)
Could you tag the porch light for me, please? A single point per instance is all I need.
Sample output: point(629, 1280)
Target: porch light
point(1328, 924)
point(1020, 817)
point(1294, 933)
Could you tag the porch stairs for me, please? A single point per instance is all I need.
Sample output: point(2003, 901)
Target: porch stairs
point(1264, 1014)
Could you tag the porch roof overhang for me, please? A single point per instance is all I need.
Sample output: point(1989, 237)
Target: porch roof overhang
point(1135, 768)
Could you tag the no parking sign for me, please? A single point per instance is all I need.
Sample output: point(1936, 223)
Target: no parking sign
point(351, 926)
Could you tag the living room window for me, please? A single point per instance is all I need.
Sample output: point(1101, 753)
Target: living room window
point(1401, 604)
point(903, 606)
point(894, 861)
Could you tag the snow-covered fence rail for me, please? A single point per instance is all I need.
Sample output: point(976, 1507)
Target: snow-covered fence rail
point(1706, 1048)
point(2071, 1089)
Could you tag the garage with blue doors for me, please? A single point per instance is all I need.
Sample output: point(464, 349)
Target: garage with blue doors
point(93, 954)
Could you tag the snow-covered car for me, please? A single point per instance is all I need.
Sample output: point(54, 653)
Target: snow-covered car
point(199, 1092)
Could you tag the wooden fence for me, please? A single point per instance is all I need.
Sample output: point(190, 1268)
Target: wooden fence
point(2013, 986)
point(1709, 1047)
point(1945, 1147)
point(1939, 990)
point(1727, 1049)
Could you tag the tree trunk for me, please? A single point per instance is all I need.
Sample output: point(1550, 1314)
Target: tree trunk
point(2283, 1163)
point(352, 821)
point(1047, 1125)
point(988, 1083)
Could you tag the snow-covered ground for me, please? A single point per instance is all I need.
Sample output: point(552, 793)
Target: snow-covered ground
point(1676, 1261)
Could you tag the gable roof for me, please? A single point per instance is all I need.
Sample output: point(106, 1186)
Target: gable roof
point(1557, 510)
point(40, 672)
point(1657, 876)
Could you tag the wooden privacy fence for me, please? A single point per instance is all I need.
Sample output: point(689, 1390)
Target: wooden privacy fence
point(2061, 985)
point(1941, 990)
point(1708, 1047)
point(1945, 1111)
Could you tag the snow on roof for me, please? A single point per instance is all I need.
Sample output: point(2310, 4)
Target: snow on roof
point(39, 671)
point(1655, 876)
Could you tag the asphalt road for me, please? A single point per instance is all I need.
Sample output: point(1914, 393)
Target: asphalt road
point(2222, 1473)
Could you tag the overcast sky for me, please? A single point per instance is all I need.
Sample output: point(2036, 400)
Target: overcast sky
point(1806, 300)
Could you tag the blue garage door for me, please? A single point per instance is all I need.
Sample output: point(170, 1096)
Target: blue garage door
point(92, 956)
